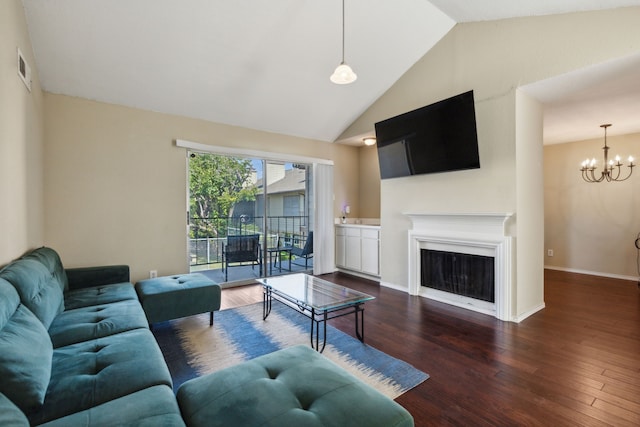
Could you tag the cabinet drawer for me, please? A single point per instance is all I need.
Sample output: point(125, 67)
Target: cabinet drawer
point(370, 234)
point(353, 231)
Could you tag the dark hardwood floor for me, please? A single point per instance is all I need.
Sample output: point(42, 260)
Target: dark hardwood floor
point(575, 363)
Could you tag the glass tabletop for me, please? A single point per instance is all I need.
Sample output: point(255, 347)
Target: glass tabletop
point(314, 292)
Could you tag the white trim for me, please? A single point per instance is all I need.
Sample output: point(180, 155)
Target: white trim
point(593, 273)
point(360, 274)
point(531, 312)
point(394, 286)
point(244, 152)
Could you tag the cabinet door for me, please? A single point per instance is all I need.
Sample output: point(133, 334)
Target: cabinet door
point(353, 249)
point(370, 252)
point(341, 247)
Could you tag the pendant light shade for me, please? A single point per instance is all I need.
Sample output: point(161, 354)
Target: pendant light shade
point(343, 74)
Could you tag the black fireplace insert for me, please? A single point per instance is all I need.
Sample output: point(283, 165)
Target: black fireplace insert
point(468, 275)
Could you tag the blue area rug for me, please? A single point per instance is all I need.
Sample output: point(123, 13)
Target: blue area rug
point(193, 348)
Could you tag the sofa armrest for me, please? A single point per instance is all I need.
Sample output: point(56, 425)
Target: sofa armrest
point(86, 277)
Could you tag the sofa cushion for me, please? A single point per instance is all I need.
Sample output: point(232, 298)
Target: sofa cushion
point(97, 295)
point(51, 260)
point(10, 414)
point(87, 323)
point(39, 290)
point(26, 356)
point(171, 297)
point(151, 407)
point(93, 372)
point(88, 277)
point(296, 386)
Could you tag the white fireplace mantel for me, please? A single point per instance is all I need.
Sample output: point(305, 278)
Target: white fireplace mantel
point(474, 233)
point(476, 223)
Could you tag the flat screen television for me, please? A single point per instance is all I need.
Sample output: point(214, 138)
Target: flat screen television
point(440, 137)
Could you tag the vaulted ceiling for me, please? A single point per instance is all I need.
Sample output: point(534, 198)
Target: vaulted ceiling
point(265, 65)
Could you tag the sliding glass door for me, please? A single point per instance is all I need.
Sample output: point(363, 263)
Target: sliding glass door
point(248, 213)
point(289, 223)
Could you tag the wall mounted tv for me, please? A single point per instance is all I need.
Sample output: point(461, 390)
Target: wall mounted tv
point(440, 137)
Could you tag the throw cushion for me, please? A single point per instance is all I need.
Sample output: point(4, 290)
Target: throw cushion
point(25, 359)
point(39, 290)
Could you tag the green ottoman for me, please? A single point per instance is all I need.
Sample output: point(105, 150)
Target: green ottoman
point(296, 386)
point(171, 297)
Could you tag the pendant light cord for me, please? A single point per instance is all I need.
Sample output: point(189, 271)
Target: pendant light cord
point(342, 31)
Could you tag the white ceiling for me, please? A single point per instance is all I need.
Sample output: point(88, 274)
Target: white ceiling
point(265, 65)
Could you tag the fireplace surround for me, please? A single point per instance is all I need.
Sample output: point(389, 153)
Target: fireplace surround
point(481, 234)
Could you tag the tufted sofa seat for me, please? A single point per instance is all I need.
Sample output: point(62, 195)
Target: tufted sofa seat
point(296, 386)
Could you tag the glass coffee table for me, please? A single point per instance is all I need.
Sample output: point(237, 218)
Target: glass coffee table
point(317, 299)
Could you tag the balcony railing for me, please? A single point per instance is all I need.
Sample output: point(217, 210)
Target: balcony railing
point(208, 235)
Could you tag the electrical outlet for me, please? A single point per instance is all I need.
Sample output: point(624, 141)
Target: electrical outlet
point(549, 252)
point(153, 274)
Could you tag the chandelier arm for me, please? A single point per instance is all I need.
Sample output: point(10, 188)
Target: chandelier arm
point(626, 177)
point(584, 176)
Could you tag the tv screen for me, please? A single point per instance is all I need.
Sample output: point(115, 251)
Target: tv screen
point(440, 137)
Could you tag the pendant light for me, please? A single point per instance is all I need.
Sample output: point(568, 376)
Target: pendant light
point(343, 74)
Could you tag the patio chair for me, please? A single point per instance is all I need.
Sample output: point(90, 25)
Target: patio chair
point(241, 250)
point(305, 252)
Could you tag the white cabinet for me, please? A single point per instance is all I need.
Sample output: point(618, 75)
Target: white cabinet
point(358, 248)
point(353, 252)
point(370, 248)
point(341, 247)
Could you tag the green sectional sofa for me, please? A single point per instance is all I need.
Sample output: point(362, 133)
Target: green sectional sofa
point(75, 349)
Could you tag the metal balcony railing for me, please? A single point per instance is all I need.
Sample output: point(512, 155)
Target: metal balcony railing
point(207, 235)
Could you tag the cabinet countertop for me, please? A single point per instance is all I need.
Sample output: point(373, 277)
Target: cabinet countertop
point(377, 227)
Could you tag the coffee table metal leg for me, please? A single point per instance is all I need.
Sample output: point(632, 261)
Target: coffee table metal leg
point(266, 303)
point(360, 330)
point(315, 326)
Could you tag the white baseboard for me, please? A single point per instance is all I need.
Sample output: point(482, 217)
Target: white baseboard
point(592, 273)
point(526, 314)
point(393, 286)
point(358, 274)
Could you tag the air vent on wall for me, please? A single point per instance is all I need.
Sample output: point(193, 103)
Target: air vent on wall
point(24, 71)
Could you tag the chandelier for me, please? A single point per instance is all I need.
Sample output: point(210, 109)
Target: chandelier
point(612, 168)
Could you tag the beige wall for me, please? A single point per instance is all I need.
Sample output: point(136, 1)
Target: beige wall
point(115, 183)
point(591, 227)
point(21, 140)
point(369, 179)
point(494, 59)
